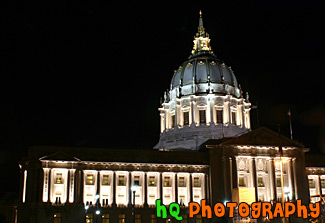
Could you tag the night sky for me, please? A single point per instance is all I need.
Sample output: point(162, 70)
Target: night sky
point(75, 74)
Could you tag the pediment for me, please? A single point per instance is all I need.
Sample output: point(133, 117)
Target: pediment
point(59, 156)
point(262, 137)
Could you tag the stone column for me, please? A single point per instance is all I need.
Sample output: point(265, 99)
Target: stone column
point(162, 122)
point(98, 184)
point(191, 187)
point(76, 186)
point(161, 187)
point(229, 112)
point(68, 187)
point(81, 190)
point(176, 116)
point(207, 191)
point(243, 116)
point(192, 111)
point(145, 194)
point(273, 179)
point(114, 189)
point(130, 190)
point(227, 179)
point(320, 185)
point(165, 120)
point(291, 179)
point(49, 188)
point(212, 121)
point(234, 172)
point(254, 177)
point(176, 188)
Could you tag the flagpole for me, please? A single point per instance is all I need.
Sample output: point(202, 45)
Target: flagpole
point(289, 114)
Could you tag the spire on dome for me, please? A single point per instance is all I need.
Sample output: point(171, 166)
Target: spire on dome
point(201, 40)
point(201, 29)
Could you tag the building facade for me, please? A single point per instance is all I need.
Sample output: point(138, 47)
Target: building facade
point(206, 150)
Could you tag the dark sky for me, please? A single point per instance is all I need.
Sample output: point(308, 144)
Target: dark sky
point(77, 74)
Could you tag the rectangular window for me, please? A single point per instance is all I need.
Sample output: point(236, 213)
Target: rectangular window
point(202, 116)
point(181, 199)
point(186, 117)
point(121, 180)
point(136, 181)
point(121, 218)
point(311, 183)
point(173, 121)
point(106, 180)
point(57, 218)
point(278, 181)
point(260, 182)
point(233, 118)
point(152, 181)
point(219, 116)
point(58, 178)
point(138, 218)
point(90, 179)
point(167, 181)
point(89, 218)
point(105, 218)
point(181, 182)
point(241, 181)
point(197, 182)
point(322, 182)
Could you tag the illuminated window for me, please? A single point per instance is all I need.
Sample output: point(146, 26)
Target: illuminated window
point(219, 116)
point(121, 218)
point(90, 179)
point(181, 182)
point(241, 181)
point(278, 181)
point(89, 218)
point(311, 183)
point(152, 181)
point(57, 218)
point(260, 182)
point(121, 180)
point(173, 121)
point(186, 117)
point(136, 181)
point(105, 218)
point(138, 218)
point(106, 180)
point(322, 182)
point(197, 182)
point(202, 116)
point(233, 118)
point(181, 199)
point(153, 218)
point(58, 178)
point(167, 181)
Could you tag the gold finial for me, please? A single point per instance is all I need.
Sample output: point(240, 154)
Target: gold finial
point(200, 14)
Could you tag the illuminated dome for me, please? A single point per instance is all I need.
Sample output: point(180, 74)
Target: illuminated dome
point(204, 101)
point(203, 73)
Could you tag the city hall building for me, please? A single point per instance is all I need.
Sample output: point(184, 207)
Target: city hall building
point(206, 150)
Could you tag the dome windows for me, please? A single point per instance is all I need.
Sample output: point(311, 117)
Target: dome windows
point(202, 117)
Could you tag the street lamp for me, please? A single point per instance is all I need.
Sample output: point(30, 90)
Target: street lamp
point(133, 189)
